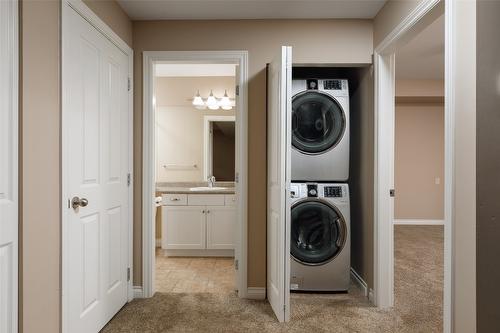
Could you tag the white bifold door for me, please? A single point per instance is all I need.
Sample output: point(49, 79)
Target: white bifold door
point(95, 176)
point(279, 76)
point(8, 165)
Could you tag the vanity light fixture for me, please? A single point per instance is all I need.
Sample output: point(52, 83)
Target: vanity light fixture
point(198, 101)
point(212, 102)
point(225, 102)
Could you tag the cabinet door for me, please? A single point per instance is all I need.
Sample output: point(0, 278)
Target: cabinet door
point(220, 227)
point(183, 227)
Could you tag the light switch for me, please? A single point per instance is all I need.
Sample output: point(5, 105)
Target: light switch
point(437, 180)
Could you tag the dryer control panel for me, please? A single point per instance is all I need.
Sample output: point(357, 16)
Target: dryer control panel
point(333, 192)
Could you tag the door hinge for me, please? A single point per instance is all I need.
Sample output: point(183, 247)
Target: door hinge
point(284, 307)
point(128, 179)
point(129, 84)
point(236, 264)
point(237, 90)
point(392, 192)
point(237, 177)
point(128, 273)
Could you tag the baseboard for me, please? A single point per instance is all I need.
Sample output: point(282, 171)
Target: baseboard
point(256, 293)
point(158, 242)
point(418, 222)
point(371, 296)
point(138, 293)
point(197, 253)
point(360, 282)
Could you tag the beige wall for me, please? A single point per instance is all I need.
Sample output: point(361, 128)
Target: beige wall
point(419, 161)
point(419, 88)
point(40, 222)
point(40, 174)
point(419, 151)
point(314, 41)
point(180, 126)
point(113, 15)
point(393, 12)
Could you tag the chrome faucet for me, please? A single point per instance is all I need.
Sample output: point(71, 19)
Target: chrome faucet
point(211, 181)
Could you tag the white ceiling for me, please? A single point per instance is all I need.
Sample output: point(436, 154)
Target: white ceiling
point(423, 57)
point(179, 70)
point(249, 9)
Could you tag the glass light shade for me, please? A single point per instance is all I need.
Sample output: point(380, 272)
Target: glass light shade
point(197, 100)
point(212, 102)
point(225, 102)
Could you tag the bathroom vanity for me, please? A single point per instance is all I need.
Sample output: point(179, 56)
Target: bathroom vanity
point(198, 221)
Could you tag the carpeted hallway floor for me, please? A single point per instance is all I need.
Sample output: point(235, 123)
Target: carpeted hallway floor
point(418, 302)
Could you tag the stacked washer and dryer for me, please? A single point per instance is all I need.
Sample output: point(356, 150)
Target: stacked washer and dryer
point(320, 209)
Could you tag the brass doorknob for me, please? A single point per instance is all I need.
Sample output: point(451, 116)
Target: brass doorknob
point(77, 202)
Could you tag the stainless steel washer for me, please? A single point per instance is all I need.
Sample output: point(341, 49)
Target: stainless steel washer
point(320, 237)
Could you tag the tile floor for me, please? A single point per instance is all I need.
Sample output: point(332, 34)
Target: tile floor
point(194, 274)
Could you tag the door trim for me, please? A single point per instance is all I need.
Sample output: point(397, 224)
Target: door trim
point(384, 159)
point(85, 12)
point(11, 89)
point(148, 136)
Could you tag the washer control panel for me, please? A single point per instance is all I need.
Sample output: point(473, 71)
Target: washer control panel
point(332, 84)
point(333, 192)
point(312, 190)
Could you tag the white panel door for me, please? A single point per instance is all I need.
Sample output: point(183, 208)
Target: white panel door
point(8, 166)
point(221, 223)
point(183, 227)
point(278, 161)
point(95, 168)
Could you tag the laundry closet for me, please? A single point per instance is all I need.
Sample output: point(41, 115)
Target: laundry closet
point(323, 154)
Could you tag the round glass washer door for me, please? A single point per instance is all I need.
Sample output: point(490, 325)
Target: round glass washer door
point(318, 122)
point(318, 232)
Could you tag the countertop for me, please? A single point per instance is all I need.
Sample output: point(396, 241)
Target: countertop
point(184, 188)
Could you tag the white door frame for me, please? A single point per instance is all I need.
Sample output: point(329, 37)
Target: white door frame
point(208, 143)
point(9, 198)
point(82, 9)
point(239, 58)
point(384, 157)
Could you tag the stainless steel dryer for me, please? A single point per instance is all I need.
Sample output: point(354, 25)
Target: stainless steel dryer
point(320, 237)
point(320, 130)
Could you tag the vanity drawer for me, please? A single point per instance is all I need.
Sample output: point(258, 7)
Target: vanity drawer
point(174, 199)
point(230, 199)
point(206, 199)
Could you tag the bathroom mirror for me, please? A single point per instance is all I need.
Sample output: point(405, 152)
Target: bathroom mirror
point(220, 147)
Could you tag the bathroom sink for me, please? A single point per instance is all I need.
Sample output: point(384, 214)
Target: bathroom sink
point(206, 188)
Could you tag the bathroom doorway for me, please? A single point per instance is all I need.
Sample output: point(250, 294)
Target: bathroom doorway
point(195, 167)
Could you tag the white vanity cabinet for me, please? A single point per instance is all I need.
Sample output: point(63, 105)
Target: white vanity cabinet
point(183, 227)
point(198, 224)
point(220, 227)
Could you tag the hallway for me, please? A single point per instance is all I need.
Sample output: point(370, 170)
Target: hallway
point(418, 288)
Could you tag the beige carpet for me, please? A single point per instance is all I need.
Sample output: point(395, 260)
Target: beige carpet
point(418, 291)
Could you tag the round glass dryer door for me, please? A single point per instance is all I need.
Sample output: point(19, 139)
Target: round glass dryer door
point(318, 122)
point(318, 232)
